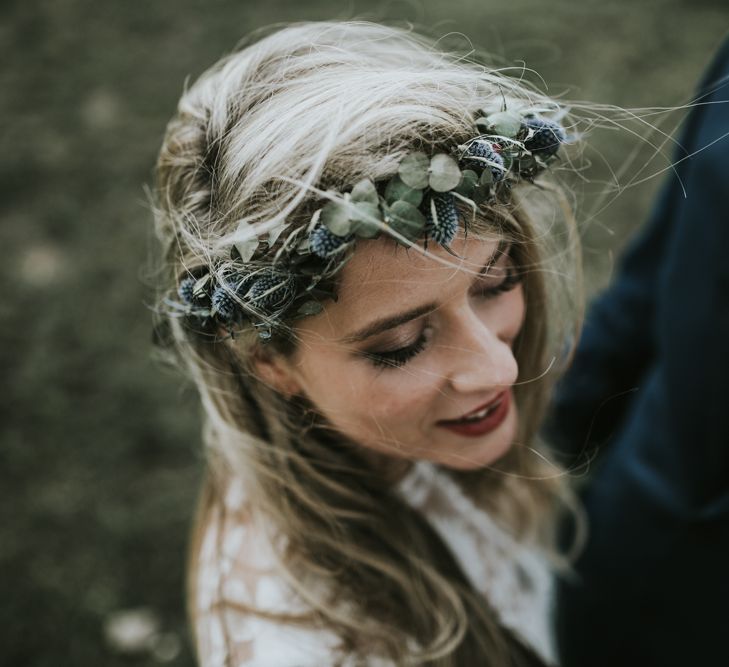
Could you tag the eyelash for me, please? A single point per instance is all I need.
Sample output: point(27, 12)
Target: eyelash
point(397, 358)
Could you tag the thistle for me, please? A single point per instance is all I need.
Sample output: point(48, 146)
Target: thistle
point(485, 155)
point(441, 217)
point(546, 138)
point(224, 304)
point(269, 290)
point(185, 290)
point(323, 242)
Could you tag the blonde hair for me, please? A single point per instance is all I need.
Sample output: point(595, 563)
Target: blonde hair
point(259, 138)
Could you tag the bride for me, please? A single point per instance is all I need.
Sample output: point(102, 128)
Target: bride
point(369, 273)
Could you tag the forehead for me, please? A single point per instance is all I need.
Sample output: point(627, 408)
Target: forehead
point(384, 278)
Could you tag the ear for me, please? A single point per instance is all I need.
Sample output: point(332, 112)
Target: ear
point(275, 371)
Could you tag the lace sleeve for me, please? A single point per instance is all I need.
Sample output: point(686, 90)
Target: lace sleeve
point(236, 567)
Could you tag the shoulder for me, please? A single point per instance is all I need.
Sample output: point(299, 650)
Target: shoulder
point(244, 610)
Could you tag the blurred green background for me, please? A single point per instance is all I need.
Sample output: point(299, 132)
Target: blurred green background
point(100, 456)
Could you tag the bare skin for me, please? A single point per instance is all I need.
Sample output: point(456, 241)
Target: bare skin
point(465, 356)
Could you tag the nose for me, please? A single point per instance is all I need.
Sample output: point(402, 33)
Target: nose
point(483, 361)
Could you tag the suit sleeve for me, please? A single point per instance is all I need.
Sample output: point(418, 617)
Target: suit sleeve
point(651, 584)
point(667, 305)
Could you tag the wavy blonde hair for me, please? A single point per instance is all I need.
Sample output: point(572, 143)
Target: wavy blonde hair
point(259, 137)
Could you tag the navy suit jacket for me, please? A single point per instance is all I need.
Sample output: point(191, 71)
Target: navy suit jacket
point(649, 386)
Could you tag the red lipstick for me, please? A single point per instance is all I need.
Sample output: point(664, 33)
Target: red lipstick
point(493, 418)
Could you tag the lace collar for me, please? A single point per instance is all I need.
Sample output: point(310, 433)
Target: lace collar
point(513, 574)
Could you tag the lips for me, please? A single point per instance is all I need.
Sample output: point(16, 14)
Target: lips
point(495, 414)
point(492, 402)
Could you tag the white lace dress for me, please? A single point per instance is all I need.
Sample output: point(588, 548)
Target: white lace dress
point(237, 563)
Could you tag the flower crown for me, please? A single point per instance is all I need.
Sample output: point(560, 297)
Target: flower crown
point(419, 199)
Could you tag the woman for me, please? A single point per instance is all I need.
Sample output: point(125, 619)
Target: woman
point(370, 271)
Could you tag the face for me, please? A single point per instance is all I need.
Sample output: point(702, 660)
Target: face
point(445, 352)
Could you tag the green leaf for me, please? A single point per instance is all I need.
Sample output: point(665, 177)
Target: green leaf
point(505, 123)
point(469, 178)
point(481, 193)
point(365, 191)
point(274, 234)
point(309, 308)
point(310, 266)
point(396, 189)
point(335, 216)
point(198, 289)
point(406, 219)
point(413, 170)
point(487, 178)
point(444, 173)
point(527, 164)
point(362, 215)
point(320, 293)
point(483, 124)
point(246, 241)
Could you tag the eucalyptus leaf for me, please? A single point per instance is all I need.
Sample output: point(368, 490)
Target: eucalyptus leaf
point(413, 170)
point(469, 178)
point(406, 220)
point(527, 165)
point(309, 308)
point(483, 124)
point(198, 289)
point(362, 216)
point(245, 240)
point(274, 234)
point(487, 177)
point(289, 243)
point(322, 294)
point(311, 266)
point(335, 216)
point(444, 173)
point(505, 123)
point(481, 194)
point(398, 190)
point(365, 191)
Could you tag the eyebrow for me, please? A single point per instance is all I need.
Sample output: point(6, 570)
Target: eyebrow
point(392, 321)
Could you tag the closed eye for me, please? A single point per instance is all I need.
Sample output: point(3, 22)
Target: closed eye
point(399, 357)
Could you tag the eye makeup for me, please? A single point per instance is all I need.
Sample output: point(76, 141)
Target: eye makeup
point(400, 356)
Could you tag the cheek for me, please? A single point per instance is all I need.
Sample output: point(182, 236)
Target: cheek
point(347, 390)
point(336, 389)
point(390, 399)
point(402, 404)
point(394, 401)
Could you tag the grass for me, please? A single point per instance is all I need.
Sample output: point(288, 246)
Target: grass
point(100, 456)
